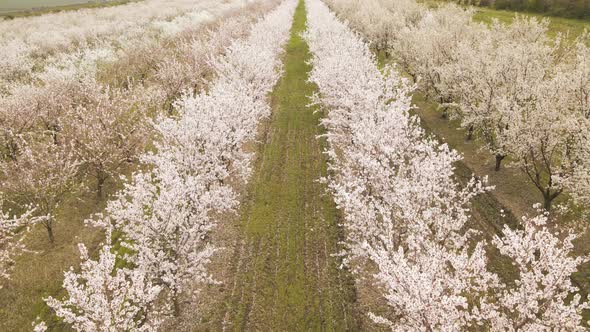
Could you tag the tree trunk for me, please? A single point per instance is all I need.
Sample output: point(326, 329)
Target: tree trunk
point(470, 133)
point(11, 147)
point(48, 224)
point(175, 293)
point(99, 187)
point(49, 228)
point(54, 131)
point(176, 305)
point(548, 198)
point(499, 158)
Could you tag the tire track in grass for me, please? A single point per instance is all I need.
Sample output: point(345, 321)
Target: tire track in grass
point(288, 279)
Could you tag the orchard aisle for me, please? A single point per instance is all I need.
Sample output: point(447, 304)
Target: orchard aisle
point(283, 275)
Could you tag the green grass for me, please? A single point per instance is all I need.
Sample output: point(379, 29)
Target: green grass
point(57, 9)
point(39, 275)
point(284, 276)
point(556, 24)
point(567, 26)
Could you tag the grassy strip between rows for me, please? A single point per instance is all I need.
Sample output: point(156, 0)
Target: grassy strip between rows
point(285, 278)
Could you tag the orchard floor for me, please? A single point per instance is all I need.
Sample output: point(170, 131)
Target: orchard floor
point(278, 269)
point(281, 274)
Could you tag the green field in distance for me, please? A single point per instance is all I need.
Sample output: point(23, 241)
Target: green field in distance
point(7, 6)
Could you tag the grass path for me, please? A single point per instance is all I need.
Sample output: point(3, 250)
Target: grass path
point(283, 276)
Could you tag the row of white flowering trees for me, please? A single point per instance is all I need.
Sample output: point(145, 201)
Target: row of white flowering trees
point(81, 117)
point(406, 213)
point(101, 127)
point(13, 231)
point(73, 122)
point(525, 96)
point(164, 214)
point(31, 43)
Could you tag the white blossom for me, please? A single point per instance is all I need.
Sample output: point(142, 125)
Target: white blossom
point(13, 231)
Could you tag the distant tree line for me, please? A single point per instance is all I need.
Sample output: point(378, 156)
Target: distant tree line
point(566, 8)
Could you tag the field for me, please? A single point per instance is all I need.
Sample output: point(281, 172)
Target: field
point(197, 165)
point(571, 28)
point(565, 26)
point(8, 5)
point(11, 8)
